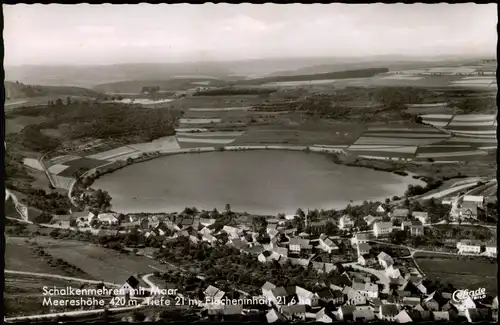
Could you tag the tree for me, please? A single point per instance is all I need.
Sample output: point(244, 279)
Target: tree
point(68, 101)
point(300, 213)
point(228, 208)
point(259, 223)
point(44, 217)
point(100, 200)
point(59, 102)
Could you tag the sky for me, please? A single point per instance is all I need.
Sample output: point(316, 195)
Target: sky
point(112, 34)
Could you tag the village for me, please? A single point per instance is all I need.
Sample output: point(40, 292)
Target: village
point(374, 279)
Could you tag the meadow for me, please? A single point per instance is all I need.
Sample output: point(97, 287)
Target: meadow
point(463, 273)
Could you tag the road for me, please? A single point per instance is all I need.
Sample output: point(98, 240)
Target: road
point(384, 280)
point(20, 208)
point(447, 191)
point(51, 181)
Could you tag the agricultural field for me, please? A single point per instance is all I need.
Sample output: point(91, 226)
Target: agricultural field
point(83, 163)
point(439, 120)
point(20, 256)
point(16, 124)
point(464, 273)
point(396, 141)
point(23, 295)
point(307, 134)
point(100, 263)
point(434, 108)
point(160, 144)
point(110, 154)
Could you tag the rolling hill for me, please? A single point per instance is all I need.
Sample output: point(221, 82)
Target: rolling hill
point(17, 90)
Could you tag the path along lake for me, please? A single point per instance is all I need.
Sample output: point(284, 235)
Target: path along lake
point(258, 182)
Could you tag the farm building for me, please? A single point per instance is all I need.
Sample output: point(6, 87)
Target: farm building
point(469, 247)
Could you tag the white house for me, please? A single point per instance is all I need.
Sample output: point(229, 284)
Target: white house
point(385, 260)
point(326, 244)
point(423, 217)
point(369, 219)
point(360, 238)
point(298, 244)
point(231, 231)
point(403, 317)
point(469, 247)
point(322, 317)
point(213, 294)
point(491, 248)
point(130, 287)
point(382, 229)
point(346, 222)
point(268, 256)
point(475, 199)
point(306, 297)
point(91, 216)
point(108, 218)
point(369, 290)
point(416, 229)
point(380, 209)
point(392, 272)
point(209, 238)
point(354, 297)
point(273, 316)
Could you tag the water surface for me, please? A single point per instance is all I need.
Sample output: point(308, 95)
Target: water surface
point(261, 182)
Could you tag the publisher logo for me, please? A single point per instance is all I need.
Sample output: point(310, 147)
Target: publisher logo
point(461, 295)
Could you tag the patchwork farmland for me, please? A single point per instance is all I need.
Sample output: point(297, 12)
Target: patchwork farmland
point(445, 137)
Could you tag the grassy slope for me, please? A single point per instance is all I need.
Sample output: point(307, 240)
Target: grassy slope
point(464, 274)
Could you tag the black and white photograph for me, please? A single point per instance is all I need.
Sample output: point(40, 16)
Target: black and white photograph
point(250, 163)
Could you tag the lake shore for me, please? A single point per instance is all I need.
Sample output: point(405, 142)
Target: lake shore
point(163, 200)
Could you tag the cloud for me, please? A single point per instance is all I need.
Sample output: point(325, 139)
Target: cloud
point(96, 29)
point(246, 23)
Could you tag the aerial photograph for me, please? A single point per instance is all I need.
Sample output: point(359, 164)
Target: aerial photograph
point(250, 163)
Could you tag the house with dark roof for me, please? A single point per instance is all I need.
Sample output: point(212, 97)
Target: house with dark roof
point(366, 260)
point(399, 214)
point(388, 312)
point(441, 315)
point(340, 280)
point(297, 245)
point(130, 287)
point(346, 312)
point(277, 296)
point(294, 312)
point(363, 249)
point(364, 315)
point(385, 260)
point(317, 227)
